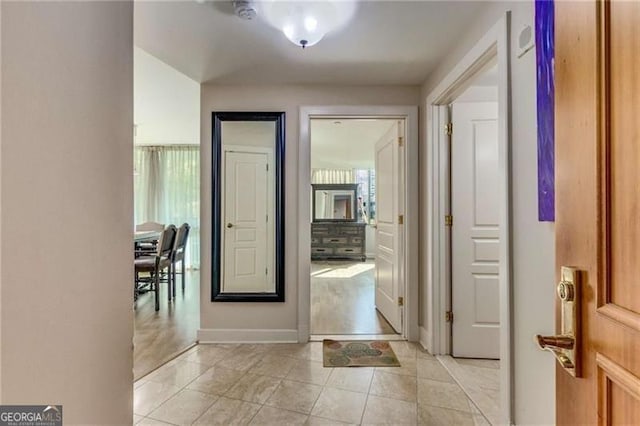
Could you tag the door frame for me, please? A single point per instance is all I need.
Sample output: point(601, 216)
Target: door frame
point(494, 44)
point(411, 208)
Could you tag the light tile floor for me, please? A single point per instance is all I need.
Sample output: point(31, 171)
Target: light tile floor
point(286, 384)
point(480, 380)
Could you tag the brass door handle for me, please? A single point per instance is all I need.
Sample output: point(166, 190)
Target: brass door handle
point(229, 225)
point(556, 342)
point(559, 346)
point(565, 346)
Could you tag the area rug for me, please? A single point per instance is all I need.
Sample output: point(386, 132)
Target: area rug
point(358, 353)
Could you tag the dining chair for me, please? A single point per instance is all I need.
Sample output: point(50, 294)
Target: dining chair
point(156, 264)
point(179, 250)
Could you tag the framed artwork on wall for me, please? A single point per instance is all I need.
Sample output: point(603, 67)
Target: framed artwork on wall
point(545, 92)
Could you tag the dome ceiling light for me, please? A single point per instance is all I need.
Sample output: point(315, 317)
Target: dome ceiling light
point(303, 22)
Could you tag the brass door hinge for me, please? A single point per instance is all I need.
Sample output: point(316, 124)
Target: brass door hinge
point(449, 129)
point(400, 301)
point(448, 220)
point(448, 316)
point(401, 219)
point(400, 141)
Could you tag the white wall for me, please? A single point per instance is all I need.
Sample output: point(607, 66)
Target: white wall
point(479, 94)
point(249, 133)
point(166, 103)
point(532, 241)
point(66, 218)
point(261, 321)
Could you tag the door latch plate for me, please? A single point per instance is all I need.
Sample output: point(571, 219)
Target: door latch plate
point(565, 346)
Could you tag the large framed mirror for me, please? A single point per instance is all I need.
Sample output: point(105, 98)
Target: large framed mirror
point(334, 202)
point(248, 207)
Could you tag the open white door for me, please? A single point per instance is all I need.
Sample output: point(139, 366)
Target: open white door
point(475, 232)
point(389, 199)
point(246, 206)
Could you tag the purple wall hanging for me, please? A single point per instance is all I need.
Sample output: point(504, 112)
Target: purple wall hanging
point(544, 33)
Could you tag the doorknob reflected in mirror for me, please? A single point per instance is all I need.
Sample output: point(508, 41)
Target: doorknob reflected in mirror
point(565, 346)
point(229, 225)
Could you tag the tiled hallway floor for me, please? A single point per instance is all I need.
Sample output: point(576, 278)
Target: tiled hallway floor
point(480, 380)
point(286, 384)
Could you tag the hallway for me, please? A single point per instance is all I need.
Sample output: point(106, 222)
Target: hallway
point(343, 299)
point(287, 384)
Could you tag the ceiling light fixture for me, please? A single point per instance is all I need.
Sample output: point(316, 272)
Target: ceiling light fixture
point(305, 23)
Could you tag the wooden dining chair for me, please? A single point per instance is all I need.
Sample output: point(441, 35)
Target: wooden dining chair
point(156, 264)
point(179, 250)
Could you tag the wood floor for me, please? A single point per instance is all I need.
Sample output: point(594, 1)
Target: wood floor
point(343, 299)
point(159, 336)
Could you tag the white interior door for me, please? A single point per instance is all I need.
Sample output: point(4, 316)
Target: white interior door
point(246, 207)
point(474, 236)
point(388, 253)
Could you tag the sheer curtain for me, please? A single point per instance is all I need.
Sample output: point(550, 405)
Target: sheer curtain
point(333, 176)
point(167, 190)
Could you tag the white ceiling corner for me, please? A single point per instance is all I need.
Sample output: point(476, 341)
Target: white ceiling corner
point(387, 42)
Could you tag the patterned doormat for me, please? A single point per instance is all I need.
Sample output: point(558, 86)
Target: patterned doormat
point(358, 353)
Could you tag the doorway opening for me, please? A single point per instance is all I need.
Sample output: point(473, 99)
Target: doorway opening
point(474, 255)
point(166, 178)
point(373, 284)
point(355, 174)
point(469, 225)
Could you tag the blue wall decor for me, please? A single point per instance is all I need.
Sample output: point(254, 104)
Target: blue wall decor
point(545, 85)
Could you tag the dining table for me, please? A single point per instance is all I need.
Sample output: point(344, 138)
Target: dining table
point(146, 236)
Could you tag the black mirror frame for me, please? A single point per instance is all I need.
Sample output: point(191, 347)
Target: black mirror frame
point(216, 214)
point(335, 186)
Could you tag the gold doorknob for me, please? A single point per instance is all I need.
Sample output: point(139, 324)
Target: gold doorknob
point(229, 225)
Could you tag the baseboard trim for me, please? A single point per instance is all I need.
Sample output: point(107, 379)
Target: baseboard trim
point(426, 340)
point(303, 333)
point(243, 335)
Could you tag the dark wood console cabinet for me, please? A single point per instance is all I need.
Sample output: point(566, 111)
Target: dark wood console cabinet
point(338, 240)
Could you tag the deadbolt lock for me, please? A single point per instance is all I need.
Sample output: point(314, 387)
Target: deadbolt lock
point(566, 291)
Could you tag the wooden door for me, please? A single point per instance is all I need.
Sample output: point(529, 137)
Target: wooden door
point(475, 243)
point(246, 250)
point(598, 203)
point(388, 232)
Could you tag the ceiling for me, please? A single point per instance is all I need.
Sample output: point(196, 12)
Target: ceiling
point(387, 42)
point(346, 143)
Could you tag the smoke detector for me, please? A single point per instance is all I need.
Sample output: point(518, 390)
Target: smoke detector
point(245, 9)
